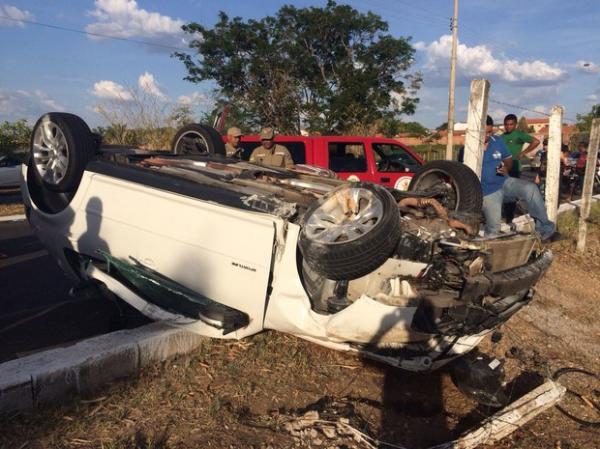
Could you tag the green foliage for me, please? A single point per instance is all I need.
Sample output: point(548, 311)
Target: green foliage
point(584, 121)
point(181, 115)
point(14, 136)
point(325, 69)
point(442, 127)
point(522, 125)
point(414, 129)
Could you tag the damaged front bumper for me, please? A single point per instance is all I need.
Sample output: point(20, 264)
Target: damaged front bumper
point(489, 299)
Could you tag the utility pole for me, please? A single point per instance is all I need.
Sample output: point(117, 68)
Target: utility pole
point(450, 134)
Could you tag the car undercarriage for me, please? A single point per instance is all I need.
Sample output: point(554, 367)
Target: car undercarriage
point(226, 248)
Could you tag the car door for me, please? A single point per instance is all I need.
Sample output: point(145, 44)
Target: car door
point(394, 165)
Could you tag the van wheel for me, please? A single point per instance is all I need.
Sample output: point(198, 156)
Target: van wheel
point(454, 184)
point(197, 139)
point(350, 232)
point(61, 146)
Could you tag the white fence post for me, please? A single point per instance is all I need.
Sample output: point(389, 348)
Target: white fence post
point(553, 164)
point(588, 184)
point(475, 136)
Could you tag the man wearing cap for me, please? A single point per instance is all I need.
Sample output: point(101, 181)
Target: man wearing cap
point(271, 153)
point(232, 147)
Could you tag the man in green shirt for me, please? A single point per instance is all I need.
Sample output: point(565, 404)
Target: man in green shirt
point(514, 140)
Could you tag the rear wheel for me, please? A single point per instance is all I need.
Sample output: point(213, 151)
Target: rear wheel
point(455, 184)
point(197, 139)
point(350, 232)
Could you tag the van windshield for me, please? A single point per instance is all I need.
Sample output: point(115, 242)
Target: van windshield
point(393, 158)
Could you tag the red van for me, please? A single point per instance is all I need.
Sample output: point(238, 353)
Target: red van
point(374, 159)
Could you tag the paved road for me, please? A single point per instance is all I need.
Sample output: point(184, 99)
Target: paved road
point(10, 196)
point(36, 310)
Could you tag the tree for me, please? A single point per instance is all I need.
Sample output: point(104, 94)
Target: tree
point(584, 121)
point(442, 127)
point(414, 129)
point(14, 136)
point(522, 124)
point(584, 126)
point(323, 69)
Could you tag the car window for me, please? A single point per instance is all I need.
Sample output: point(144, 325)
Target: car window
point(347, 157)
point(296, 149)
point(9, 162)
point(393, 158)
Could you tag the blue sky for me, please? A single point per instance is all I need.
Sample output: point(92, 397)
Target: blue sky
point(536, 54)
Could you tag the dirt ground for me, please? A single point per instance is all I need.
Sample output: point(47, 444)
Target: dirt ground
point(245, 394)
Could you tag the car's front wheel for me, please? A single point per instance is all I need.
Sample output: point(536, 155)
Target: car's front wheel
point(350, 232)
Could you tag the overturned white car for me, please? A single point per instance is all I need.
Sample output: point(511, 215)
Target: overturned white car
point(227, 248)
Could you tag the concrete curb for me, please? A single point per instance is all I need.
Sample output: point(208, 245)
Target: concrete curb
point(573, 205)
point(18, 217)
point(57, 374)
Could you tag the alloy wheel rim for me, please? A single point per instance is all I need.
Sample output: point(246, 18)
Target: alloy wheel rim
point(50, 152)
point(345, 216)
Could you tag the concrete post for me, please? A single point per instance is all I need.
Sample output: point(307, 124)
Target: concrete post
point(450, 135)
point(475, 136)
point(553, 165)
point(588, 184)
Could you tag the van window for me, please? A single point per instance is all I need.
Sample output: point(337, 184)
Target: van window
point(347, 157)
point(393, 158)
point(296, 149)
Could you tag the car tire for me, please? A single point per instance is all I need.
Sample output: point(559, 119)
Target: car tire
point(61, 146)
point(465, 184)
point(343, 247)
point(196, 138)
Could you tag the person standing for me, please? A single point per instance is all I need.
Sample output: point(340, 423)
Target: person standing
point(232, 147)
point(514, 140)
point(271, 153)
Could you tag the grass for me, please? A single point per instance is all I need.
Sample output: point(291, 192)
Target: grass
point(568, 222)
point(11, 209)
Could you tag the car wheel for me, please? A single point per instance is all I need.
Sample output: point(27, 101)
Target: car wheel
point(61, 146)
point(197, 139)
point(350, 232)
point(456, 184)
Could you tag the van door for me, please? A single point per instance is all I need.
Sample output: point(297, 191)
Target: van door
point(349, 160)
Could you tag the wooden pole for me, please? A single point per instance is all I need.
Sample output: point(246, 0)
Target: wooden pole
point(450, 128)
point(588, 184)
point(475, 137)
point(553, 165)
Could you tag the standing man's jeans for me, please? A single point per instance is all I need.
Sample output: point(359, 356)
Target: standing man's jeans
point(513, 190)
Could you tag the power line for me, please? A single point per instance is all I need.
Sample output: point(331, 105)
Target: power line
point(88, 33)
point(523, 108)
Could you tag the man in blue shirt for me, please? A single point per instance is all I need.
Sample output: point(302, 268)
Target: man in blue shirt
point(497, 189)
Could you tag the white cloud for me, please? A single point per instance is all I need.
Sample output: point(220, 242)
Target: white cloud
point(26, 104)
point(478, 61)
point(587, 67)
point(124, 18)
point(14, 13)
point(109, 90)
point(593, 98)
point(195, 99)
point(149, 85)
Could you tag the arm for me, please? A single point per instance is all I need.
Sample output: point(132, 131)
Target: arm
point(507, 159)
point(287, 158)
point(533, 144)
point(508, 163)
